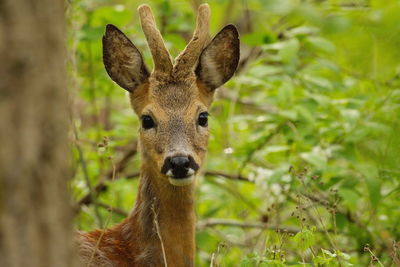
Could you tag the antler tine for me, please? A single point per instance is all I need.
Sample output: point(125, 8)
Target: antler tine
point(187, 59)
point(161, 57)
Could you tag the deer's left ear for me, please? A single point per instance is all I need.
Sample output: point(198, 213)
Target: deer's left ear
point(122, 60)
point(219, 60)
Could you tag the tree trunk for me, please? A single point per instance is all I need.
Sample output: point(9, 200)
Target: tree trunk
point(35, 210)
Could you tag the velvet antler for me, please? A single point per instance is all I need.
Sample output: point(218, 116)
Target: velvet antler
point(161, 57)
point(186, 61)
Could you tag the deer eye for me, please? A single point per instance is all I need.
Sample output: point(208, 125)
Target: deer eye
point(147, 122)
point(203, 119)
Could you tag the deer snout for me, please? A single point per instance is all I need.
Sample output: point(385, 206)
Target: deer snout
point(180, 166)
point(179, 169)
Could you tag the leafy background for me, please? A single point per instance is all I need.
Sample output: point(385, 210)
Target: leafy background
point(303, 166)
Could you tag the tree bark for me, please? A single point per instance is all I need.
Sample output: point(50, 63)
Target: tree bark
point(35, 210)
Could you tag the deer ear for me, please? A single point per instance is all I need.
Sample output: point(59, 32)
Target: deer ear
point(122, 60)
point(219, 59)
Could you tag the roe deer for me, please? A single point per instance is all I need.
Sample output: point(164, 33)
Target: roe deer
point(172, 104)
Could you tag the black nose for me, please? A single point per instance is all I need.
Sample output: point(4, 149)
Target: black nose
point(179, 166)
point(180, 162)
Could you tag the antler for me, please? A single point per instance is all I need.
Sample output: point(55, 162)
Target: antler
point(186, 60)
point(161, 57)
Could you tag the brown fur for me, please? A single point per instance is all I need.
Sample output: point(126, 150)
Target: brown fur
point(174, 100)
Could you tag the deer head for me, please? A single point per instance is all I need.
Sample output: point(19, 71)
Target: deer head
point(172, 101)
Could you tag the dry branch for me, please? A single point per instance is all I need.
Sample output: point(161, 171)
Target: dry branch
point(102, 187)
point(110, 208)
point(234, 223)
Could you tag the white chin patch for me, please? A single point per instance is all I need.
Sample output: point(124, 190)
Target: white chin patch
point(181, 182)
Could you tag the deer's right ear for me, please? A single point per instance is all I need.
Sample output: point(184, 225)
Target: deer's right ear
point(218, 61)
point(122, 60)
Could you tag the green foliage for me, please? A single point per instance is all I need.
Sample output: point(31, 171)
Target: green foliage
point(311, 120)
point(305, 239)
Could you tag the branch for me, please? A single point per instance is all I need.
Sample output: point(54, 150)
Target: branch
point(228, 176)
point(322, 200)
point(120, 166)
point(265, 140)
point(206, 173)
point(102, 186)
point(234, 223)
point(223, 93)
point(211, 222)
point(111, 208)
point(85, 171)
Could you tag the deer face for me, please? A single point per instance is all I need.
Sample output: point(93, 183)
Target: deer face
point(172, 102)
point(174, 129)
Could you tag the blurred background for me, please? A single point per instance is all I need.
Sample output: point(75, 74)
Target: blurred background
point(303, 166)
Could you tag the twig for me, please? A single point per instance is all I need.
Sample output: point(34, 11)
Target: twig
point(349, 216)
point(102, 187)
point(133, 175)
point(211, 222)
point(259, 146)
point(107, 220)
point(228, 176)
point(206, 173)
point(155, 220)
point(374, 258)
point(119, 167)
point(236, 193)
point(394, 254)
point(82, 160)
point(109, 208)
point(223, 93)
point(212, 260)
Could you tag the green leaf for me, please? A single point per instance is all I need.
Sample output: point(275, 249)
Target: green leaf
point(341, 221)
point(251, 260)
point(305, 239)
point(321, 260)
point(373, 183)
point(318, 82)
point(321, 44)
point(315, 157)
point(350, 197)
point(256, 39)
point(288, 52)
point(327, 252)
point(271, 263)
point(91, 33)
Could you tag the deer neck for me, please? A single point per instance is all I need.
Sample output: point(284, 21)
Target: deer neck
point(165, 213)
